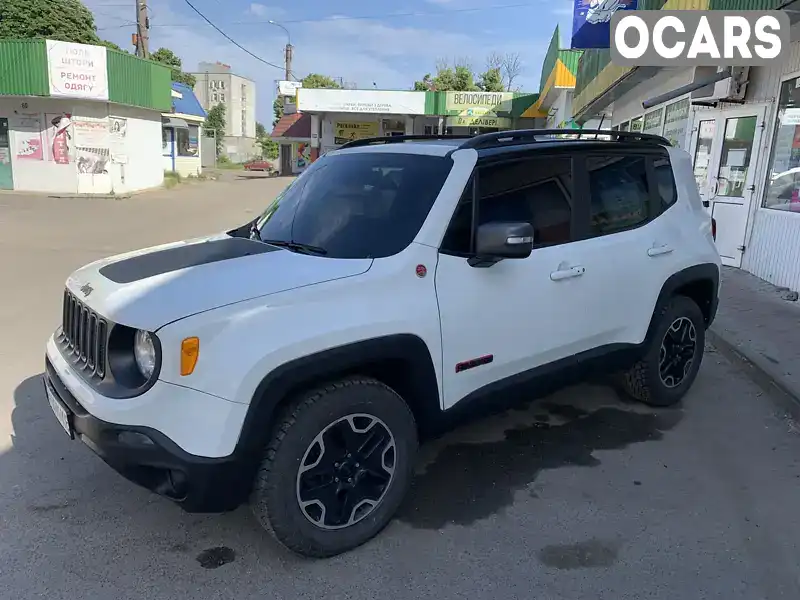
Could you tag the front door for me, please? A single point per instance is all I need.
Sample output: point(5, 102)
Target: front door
point(6, 175)
point(286, 159)
point(724, 148)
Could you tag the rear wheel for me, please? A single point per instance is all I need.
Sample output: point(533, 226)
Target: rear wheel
point(672, 360)
point(337, 467)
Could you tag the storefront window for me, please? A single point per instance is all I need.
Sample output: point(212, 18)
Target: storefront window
point(187, 141)
point(783, 184)
point(735, 159)
point(702, 153)
point(636, 124)
point(624, 126)
point(676, 120)
point(652, 121)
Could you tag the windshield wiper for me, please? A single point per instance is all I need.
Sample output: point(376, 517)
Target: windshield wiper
point(297, 247)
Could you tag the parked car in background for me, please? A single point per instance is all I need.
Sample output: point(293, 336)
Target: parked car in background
point(259, 164)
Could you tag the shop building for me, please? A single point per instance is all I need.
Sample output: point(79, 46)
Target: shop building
point(181, 133)
point(740, 126)
point(293, 134)
point(340, 116)
point(79, 119)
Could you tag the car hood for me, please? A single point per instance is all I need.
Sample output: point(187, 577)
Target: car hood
point(149, 288)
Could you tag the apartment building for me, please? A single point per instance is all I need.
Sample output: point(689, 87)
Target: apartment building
point(217, 84)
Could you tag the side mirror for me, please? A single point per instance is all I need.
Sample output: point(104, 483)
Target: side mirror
point(496, 241)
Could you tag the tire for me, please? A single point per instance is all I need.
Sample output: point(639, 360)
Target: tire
point(644, 381)
point(306, 442)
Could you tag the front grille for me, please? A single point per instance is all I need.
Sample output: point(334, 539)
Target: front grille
point(84, 334)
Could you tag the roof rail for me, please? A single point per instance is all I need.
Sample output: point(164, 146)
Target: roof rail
point(396, 139)
point(529, 136)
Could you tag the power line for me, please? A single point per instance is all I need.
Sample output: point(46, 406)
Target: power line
point(359, 17)
point(230, 39)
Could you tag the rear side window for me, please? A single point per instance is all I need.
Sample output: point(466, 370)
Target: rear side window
point(619, 193)
point(537, 191)
point(357, 205)
point(665, 182)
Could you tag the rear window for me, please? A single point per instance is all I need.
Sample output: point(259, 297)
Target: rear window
point(360, 205)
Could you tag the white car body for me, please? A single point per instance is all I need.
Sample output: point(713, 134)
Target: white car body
point(254, 314)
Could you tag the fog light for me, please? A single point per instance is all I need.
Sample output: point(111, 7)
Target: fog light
point(134, 438)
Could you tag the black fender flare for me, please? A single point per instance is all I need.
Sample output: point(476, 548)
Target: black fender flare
point(704, 272)
point(419, 385)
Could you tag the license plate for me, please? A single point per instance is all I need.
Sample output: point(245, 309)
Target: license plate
point(59, 409)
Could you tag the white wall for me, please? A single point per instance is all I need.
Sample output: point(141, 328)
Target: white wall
point(141, 151)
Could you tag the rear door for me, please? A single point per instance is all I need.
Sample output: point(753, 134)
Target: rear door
point(628, 251)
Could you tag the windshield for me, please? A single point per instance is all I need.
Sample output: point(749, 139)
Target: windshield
point(361, 205)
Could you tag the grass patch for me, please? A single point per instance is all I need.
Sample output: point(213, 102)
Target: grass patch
point(171, 179)
point(223, 162)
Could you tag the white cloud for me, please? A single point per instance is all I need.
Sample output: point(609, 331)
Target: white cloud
point(267, 12)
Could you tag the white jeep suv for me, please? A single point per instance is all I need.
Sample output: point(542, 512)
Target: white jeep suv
point(296, 361)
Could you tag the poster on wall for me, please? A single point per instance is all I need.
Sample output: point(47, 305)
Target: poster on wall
point(59, 137)
point(77, 70)
point(676, 120)
point(90, 132)
point(118, 128)
point(28, 137)
point(92, 161)
point(347, 131)
point(591, 21)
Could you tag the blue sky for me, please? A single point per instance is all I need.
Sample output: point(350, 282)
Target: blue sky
point(360, 41)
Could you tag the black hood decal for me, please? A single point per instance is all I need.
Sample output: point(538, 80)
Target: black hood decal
point(182, 257)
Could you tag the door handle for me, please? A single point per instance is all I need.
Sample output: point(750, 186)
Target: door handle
point(659, 250)
point(567, 273)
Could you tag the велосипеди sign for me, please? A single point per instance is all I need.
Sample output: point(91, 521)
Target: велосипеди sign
point(661, 38)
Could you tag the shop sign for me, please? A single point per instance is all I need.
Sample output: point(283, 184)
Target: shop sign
point(289, 88)
point(349, 131)
point(361, 101)
point(652, 121)
point(591, 21)
point(468, 104)
point(479, 121)
point(791, 116)
point(676, 120)
point(77, 70)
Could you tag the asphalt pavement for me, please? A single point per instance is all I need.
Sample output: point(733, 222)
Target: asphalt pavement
point(579, 496)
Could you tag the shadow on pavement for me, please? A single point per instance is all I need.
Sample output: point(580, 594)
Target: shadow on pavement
point(61, 491)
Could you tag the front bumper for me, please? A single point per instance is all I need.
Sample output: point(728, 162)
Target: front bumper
point(149, 458)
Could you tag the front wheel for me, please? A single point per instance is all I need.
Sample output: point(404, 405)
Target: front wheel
point(672, 360)
point(337, 468)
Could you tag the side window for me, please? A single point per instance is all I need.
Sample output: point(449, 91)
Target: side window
point(665, 181)
point(619, 193)
point(537, 191)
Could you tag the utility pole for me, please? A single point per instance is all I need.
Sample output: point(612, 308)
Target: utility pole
point(142, 29)
point(289, 50)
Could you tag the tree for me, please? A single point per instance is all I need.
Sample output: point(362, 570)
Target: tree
point(167, 57)
point(312, 81)
point(455, 78)
point(509, 65)
point(64, 20)
point(215, 121)
point(269, 147)
point(491, 81)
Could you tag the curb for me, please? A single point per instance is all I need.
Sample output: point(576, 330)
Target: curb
point(760, 371)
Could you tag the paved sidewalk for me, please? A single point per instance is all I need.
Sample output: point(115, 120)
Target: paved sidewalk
point(757, 322)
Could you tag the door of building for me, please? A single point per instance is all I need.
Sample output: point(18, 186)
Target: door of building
point(724, 147)
point(6, 174)
point(286, 159)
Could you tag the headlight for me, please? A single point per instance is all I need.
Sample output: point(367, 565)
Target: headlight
point(144, 351)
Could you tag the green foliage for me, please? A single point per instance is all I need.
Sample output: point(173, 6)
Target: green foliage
point(215, 121)
point(491, 81)
point(261, 131)
point(167, 57)
point(448, 79)
point(269, 147)
point(65, 20)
